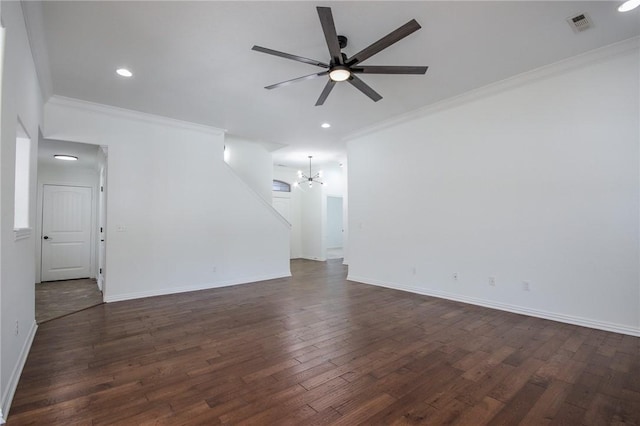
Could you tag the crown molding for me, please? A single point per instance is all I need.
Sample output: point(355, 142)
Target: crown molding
point(128, 114)
point(590, 57)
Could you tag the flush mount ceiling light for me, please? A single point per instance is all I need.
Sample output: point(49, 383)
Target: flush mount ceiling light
point(123, 72)
point(629, 5)
point(325, 125)
point(65, 157)
point(309, 178)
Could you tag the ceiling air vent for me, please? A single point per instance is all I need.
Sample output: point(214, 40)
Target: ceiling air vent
point(580, 22)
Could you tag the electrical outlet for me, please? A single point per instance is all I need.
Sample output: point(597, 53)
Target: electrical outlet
point(492, 281)
point(17, 327)
point(455, 276)
point(215, 269)
point(413, 270)
point(526, 286)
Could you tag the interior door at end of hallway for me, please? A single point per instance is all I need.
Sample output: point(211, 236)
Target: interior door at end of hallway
point(66, 232)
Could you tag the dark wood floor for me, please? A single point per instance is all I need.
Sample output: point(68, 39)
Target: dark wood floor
point(56, 299)
point(316, 349)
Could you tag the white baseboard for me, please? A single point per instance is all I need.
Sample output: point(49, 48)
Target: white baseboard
point(569, 319)
point(15, 374)
point(207, 286)
point(317, 259)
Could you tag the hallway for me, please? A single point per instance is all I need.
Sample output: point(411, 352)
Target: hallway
point(55, 299)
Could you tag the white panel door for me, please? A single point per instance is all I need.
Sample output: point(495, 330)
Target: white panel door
point(66, 232)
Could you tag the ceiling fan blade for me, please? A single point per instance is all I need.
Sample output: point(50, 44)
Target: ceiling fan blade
point(364, 88)
point(330, 34)
point(325, 92)
point(289, 56)
point(388, 69)
point(296, 80)
point(384, 42)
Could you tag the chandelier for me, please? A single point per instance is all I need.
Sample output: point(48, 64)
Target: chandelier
point(310, 178)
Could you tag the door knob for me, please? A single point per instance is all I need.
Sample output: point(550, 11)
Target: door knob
point(46, 237)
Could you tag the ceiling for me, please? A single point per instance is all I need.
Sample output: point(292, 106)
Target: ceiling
point(193, 60)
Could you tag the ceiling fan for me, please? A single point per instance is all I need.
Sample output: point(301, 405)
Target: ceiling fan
point(340, 68)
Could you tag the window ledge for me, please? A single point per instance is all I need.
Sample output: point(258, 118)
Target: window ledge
point(21, 233)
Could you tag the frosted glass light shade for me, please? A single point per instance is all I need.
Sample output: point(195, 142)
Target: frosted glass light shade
point(339, 74)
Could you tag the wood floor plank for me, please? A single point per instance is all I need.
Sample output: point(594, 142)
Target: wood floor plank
point(359, 414)
point(481, 413)
point(518, 406)
point(316, 349)
point(514, 382)
point(545, 409)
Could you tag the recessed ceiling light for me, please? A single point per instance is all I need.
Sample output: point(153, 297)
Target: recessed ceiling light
point(123, 72)
point(629, 5)
point(65, 157)
point(325, 125)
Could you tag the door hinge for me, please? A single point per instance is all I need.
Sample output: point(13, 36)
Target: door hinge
point(102, 189)
point(100, 270)
point(101, 229)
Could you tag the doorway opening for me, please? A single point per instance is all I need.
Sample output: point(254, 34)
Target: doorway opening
point(335, 228)
point(71, 219)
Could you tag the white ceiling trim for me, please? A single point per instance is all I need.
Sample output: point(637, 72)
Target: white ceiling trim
point(133, 115)
point(583, 59)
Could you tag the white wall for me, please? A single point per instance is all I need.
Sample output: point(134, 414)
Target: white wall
point(534, 179)
point(178, 218)
point(334, 179)
point(67, 174)
point(313, 215)
point(21, 98)
point(252, 162)
point(289, 175)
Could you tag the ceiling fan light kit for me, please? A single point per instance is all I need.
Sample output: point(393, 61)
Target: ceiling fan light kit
point(339, 73)
point(342, 68)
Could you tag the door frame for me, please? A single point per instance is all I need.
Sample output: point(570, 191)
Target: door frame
point(101, 220)
point(103, 161)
